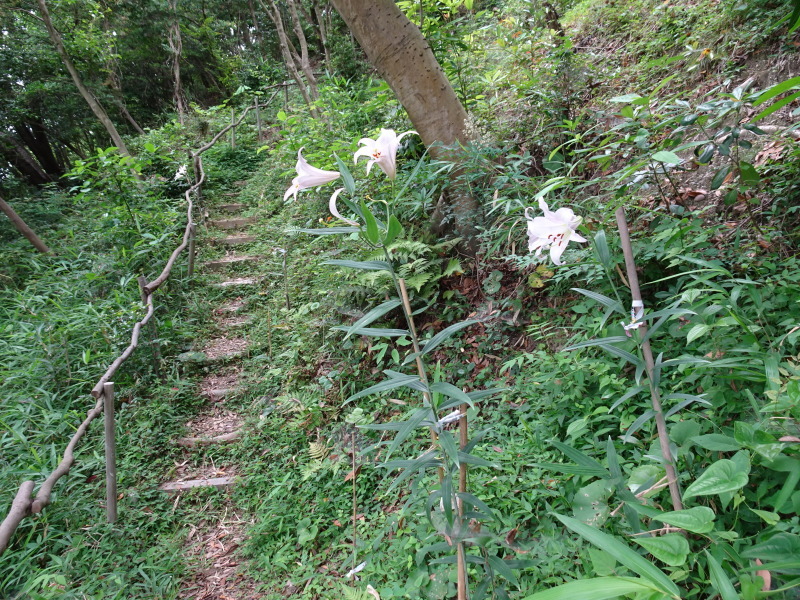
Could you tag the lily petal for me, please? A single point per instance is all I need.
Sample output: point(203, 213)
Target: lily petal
point(335, 211)
point(308, 176)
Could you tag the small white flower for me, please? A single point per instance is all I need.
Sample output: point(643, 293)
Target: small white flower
point(382, 151)
point(352, 572)
point(554, 230)
point(180, 173)
point(637, 314)
point(308, 177)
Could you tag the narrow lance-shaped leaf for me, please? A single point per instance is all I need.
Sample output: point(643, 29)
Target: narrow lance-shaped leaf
point(596, 588)
point(623, 554)
point(445, 334)
point(347, 177)
point(373, 315)
point(364, 265)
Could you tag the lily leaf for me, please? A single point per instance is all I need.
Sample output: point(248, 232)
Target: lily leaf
point(596, 588)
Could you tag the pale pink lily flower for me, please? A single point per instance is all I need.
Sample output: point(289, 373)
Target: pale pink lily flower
point(308, 177)
point(554, 230)
point(382, 151)
point(335, 211)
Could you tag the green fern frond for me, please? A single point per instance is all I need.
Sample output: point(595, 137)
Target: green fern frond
point(349, 593)
point(318, 450)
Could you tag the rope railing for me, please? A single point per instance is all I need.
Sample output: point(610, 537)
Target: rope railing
point(23, 504)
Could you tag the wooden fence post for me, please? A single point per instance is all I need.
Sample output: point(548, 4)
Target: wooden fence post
point(233, 127)
point(191, 249)
point(111, 453)
point(258, 120)
point(153, 330)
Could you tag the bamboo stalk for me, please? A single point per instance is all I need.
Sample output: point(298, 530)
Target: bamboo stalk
point(655, 397)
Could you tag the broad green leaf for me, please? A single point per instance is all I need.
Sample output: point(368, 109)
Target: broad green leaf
point(371, 232)
point(364, 265)
point(748, 174)
point(698, 519)
point(347, 177)
point(624, 555)
point(776, 89)
point(445, 334)
point(770, 518)
point(665, 156)
point(717, 442)
point(780, 547)
point(374, 314)
point(720, 580)
point(394, 229)
point(722, 476)
point(590, 503)
point(597, 588)
point(697, 331)
point(719, 177)
point(672, 549)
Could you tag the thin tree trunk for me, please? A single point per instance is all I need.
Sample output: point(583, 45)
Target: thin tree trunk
point(256, 28)
point(23, 228)
point(176, 48)
point(33, 134)
point(322, 27)
point(285, 46)
point(397, 49)
point(97, 109)
point(23, 161)
point(305, 63)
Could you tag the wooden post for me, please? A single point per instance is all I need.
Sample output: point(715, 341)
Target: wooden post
point(233, 127)
point(647, 352)
point(191, 250)
point(258, 120)
point(285, 95)
point(111, 453)
point(153, 330)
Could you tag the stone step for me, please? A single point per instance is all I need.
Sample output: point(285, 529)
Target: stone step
point(236, 223)
point(236, 240)
point(233, 207)
point(191, 442)
point(179, 486)
point(236, 282)
point(222, 263)
point(220, 393)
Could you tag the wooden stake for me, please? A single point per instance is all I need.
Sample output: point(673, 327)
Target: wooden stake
point(233, 127)
point(152, 330)
point(111, 453)
point(655, 397)
point(191, 250)
point(258, 120)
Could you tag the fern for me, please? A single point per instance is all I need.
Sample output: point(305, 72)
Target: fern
point(349, 593)
point(318, 450)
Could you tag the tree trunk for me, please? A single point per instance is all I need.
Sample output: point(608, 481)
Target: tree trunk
point(322, 27)
point(23, 228)
point(22, 160)
point(98, 110)
point(283, 42)
point(176, 48)
point(33, 134)
point(397, 49)
point(305, 63)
